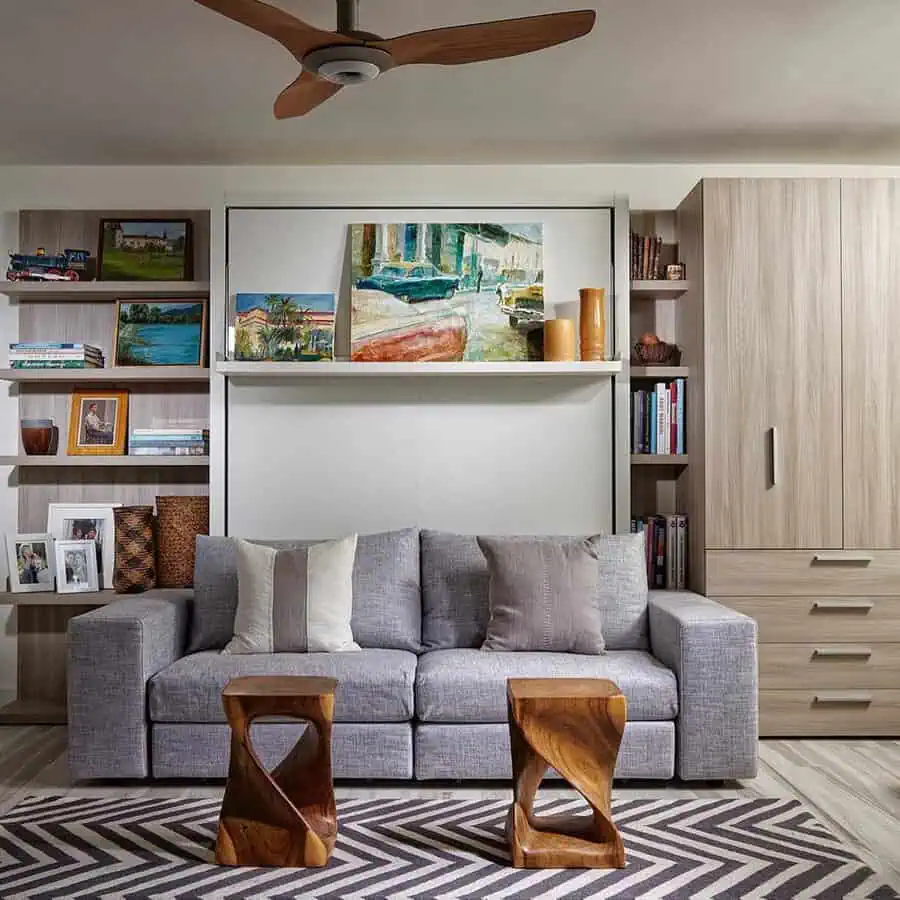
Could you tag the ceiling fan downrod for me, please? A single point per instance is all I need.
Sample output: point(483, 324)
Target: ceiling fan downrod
point(347, 16)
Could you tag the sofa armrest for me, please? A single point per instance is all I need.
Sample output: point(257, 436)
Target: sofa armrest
point(113, 651)
point(713, 652)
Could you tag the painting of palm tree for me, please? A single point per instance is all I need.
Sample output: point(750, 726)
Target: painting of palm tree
point(284, 327)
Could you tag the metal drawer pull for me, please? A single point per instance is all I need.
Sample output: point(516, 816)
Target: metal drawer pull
point(861, 652)
point(859, 558)
point(844, 604)
point(776, 456)
point(850, 697)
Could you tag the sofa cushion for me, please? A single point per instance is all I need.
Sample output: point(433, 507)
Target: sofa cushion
point(470, 685)
point(387, 602)
point(373, 685)
point(455, 585)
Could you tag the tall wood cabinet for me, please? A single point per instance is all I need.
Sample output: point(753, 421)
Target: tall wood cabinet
point(796, 502)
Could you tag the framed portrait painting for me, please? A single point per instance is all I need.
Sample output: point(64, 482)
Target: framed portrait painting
point(76, 567)
point(87, 522)
point(31, 562)
point(98, 423)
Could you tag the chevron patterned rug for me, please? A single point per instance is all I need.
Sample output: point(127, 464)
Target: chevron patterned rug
point(110, 847)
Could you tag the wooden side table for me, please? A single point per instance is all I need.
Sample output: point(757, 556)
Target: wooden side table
point(574, 725)
point(286, 817)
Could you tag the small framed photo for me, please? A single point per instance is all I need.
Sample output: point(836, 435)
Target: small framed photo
point(145, 250)
point(76, 567)
point(31, 562)
point(160, 333)
point(98, 423)
point(87, 522)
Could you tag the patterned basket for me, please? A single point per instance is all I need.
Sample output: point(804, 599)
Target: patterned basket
point(659, 354)
point(135, 560)
point(180, 520)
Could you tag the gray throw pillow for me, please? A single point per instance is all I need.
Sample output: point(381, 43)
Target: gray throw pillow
point(294, 601)
point(542, 595)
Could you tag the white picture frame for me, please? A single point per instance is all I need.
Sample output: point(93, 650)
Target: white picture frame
point(69, 521)
point(76, 567)
point(32, 563)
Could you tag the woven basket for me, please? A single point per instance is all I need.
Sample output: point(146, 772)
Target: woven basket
point(135, 560)
point(660, 354)
point(180, 520)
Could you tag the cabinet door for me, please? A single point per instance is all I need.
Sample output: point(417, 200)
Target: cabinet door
point(871, 350)
point(772, 296)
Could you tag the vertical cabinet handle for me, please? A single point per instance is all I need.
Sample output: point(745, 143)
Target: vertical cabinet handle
point(776, 455)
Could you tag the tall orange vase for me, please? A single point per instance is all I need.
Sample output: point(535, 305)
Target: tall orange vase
point(593, 324)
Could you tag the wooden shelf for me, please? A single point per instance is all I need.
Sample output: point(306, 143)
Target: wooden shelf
point(33, 712)
point(62, 461)
point(99, 291)
point(51, 598)
point(659, 288)
point(122, 373)
point(416, 370)
point(658, 459)
point(659, 372)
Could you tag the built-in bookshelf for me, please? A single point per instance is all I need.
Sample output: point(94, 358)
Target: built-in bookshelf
point(659, 479)
point(84, 312)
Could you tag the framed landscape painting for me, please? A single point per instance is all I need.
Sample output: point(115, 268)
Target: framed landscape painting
point(284, 327)
point(145, 250)
point(447, 292)
point(160, 333)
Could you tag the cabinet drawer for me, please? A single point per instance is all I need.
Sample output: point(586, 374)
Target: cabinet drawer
point(829, 666)
point(823, 713)
point(835, 619)
point(826, 573)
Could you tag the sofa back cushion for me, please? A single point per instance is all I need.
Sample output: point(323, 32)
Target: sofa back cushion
point(455, 586)
point(387, 602)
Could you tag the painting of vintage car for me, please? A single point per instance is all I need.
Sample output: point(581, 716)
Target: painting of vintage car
point(411, 282)
point(523, 303)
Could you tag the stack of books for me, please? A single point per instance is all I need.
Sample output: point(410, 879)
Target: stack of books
point(657, 419)
point(185, 441)
point(646, 251)
point(666, 547)
point(54, 355)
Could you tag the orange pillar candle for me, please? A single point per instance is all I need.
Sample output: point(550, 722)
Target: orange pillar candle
point(593, 323)
point(559, 340)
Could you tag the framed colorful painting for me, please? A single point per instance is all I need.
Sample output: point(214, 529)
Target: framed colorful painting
point(283, 327)
point(160, 333)
point(145, 250)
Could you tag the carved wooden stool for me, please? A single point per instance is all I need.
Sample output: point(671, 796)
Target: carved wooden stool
point(574, 725)
point(286, 817)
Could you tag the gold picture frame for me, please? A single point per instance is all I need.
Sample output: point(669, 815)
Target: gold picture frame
point(98, 423)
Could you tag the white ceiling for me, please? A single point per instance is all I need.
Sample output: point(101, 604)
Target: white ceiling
point(168, 81)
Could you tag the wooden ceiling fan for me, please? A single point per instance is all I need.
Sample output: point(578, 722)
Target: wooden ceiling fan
point(333, 59)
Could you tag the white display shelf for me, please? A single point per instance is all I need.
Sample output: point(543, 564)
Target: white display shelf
point(80, 291)
point(416, 370)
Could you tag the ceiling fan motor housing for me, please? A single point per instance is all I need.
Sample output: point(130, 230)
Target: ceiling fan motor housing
point(348, 64)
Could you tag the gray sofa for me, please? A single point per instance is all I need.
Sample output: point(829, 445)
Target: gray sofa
point(420, 700)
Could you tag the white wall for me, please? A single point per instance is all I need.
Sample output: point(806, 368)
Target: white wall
point(647, 187)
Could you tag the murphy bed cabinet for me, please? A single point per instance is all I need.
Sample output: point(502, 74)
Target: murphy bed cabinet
point(795, 443)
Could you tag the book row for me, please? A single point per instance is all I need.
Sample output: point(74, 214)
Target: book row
point(646, 252)
point(658, 419)
point(665, 543)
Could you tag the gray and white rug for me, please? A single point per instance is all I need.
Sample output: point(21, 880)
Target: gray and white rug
point(109, 847)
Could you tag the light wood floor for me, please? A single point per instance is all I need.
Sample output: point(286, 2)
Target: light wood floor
point(851, 786)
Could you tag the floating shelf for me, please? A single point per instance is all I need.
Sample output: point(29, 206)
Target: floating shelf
point(62, 461)
point(658, 459)
point(88, 598)
point(416, 370)
point(98, 291)
point(122, 373)
point(659, 288)
point(660, 371)
point(33, 712)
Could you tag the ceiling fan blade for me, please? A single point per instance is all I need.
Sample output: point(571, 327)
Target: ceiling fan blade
point(303, 95)
point(293, 33)
point(489, 40)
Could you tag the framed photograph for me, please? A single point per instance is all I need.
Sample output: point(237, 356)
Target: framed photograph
point(87, 522)
point(145, 250)
point(98, 423)
point(76, 567)
point(31, 562)
point(160, 333)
